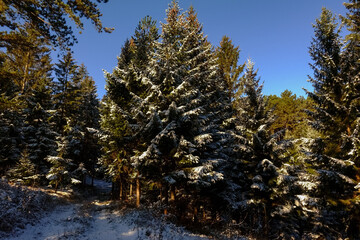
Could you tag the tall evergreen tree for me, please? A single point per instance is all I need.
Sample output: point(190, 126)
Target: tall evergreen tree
point(259, 172)
point(131, 64)
point(76, 121)
point(65, 91)
point(146, 33)
point(335, 116)
point(28, 64)
point(228, 58)
point(328, 83)
point(174, 122)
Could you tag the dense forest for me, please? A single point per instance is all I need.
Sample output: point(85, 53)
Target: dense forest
point(184, 126)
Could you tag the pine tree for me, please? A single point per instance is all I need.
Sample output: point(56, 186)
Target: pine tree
point(11, 122)
point(77, 122)
point(26, 106)
point(328, 83)
point(259, 171)
point(228, 58)
point(171, 126)
point(351, 70)
point(90, 116)
point(24, 171)
point(49, 18)
point(252, 111)
point(335, 116)
point(65, 91)
point(187, 117)
point(27, 61)
point(290, 114)
point(146, 33)
point(27, 58)
point(132, 62)
point(116, 153)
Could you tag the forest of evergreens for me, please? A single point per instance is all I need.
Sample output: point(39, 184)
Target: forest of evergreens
point(184, 126)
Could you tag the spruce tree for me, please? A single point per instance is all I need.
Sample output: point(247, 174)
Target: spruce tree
point(187, 115)
point(76, 120)
point(115, 121)
point(146, 33)
point(228, 58)
point(171, 119)
point(65, 91)
point(328, 83)
point(260, 170)
point(28, 63)
point(24, 171)
point(351, 69)
point(335, 116)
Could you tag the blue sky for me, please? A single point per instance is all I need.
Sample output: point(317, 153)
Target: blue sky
point(274, 34)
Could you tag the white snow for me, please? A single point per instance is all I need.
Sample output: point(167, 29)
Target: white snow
point(100, 221)
point(307, 185)
point(88, 219)
point(203, 139)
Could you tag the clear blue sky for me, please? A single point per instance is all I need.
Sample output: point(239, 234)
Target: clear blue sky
point(274, 34)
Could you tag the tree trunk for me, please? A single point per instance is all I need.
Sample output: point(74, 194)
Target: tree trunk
point(24, 80)
point(195, 214)
point(137, 192)
point(166, 194)
point(160, 186)
point(131, 190)
point(204, 214)
point(172, 193)
point(121, 189)
point(266, 222)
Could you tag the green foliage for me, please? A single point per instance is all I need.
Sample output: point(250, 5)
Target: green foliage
point(187, 121)
point(24, 171)
point(58, 173)
point(228, 58)
point(34, 110)
point(330, 113)
point(26, 97)
point(76, 120)
point(335, 115)
point(49, 18)
point(166, 116)
point(252, 104)
point(290, 113)
point(26, 61)
point(146, 33)
point(352, 22)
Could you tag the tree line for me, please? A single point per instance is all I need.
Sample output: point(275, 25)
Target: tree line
point(185, 127)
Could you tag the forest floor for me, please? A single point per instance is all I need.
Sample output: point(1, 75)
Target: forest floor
point(93, 218)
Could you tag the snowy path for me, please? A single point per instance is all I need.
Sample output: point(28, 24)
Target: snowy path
point(95, 220)
point(78, 221)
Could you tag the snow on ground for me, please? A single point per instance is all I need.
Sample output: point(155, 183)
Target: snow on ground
point(101, 185)
point(26, 211)
point(87, 219)
point(98, 220)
